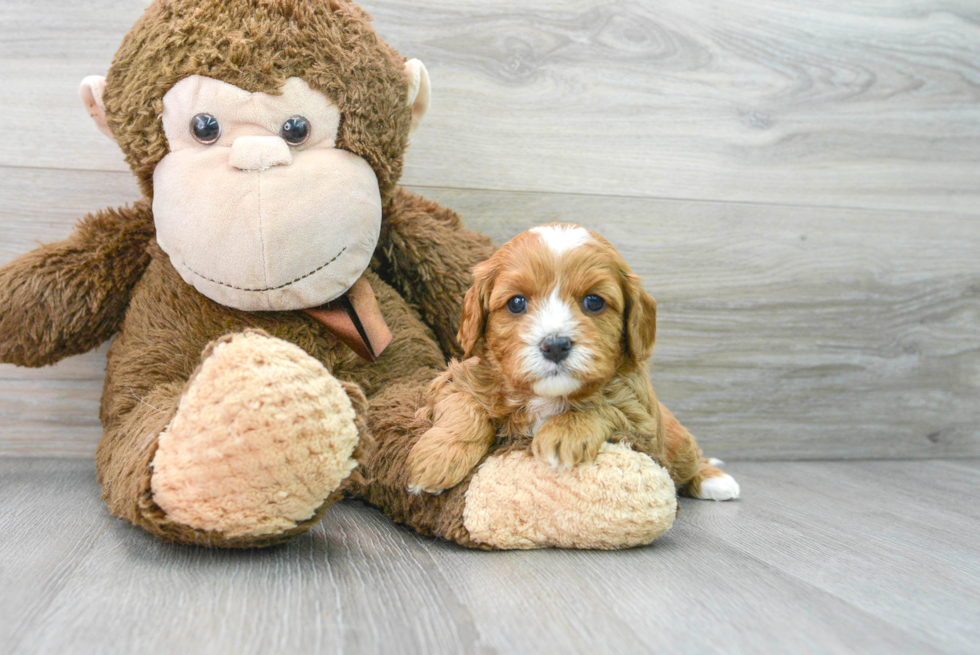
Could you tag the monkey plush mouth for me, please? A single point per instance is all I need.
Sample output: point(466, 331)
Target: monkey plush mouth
point(287, 238)
point(276, 288)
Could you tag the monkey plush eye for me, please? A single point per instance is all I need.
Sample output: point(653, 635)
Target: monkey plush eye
point(205, 128)
point(295, 131)
point(517, 305)
point(593, 303)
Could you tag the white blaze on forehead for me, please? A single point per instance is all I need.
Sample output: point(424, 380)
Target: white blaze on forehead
point(561, 238)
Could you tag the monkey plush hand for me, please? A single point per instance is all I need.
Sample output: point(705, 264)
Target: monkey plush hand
point(272, 245)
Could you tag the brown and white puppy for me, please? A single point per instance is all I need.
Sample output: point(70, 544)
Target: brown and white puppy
point(557, 331)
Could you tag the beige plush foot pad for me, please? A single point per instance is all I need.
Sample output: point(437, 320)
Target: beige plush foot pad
point(262, 436)
point(624, 499)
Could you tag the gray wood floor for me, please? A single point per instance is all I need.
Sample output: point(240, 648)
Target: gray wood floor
point(842, 557)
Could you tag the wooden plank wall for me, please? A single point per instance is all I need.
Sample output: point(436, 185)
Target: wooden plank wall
point(799, 184)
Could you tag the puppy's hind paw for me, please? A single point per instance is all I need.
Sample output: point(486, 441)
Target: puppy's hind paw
point(721, 487)
point(417, 490)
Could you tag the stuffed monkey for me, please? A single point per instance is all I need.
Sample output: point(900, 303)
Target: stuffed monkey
point(279, 303)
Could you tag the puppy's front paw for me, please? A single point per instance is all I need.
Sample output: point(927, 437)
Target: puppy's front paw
point(554, 445)
point(440, 461)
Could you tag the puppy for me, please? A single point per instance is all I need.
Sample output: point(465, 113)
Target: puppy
point(557, 332)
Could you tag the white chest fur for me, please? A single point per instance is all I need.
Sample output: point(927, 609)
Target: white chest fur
point(542, 408)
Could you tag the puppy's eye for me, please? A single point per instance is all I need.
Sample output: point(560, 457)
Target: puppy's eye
point(593, 303)
point(205, 128)
point(517, 305)
point(295, 131)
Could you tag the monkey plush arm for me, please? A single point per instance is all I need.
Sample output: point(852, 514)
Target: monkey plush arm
point(67, 297)
point(429, 256)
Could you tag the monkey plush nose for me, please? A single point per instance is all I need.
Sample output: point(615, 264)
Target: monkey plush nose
point(556, 349)
point(257, 153)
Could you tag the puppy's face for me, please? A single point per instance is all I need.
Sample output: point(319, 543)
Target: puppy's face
point(558, 312)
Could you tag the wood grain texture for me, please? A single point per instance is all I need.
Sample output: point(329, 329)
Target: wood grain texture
point(858, 103)
point(883, 525)
point(858, 557)
point(785, 332)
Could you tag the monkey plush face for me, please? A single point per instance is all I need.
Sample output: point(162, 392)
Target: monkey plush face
point(255, 205)
point(268, 134)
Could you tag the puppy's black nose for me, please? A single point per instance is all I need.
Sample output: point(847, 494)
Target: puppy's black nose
point(556, 349)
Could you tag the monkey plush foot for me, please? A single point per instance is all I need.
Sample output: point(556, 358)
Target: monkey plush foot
point(260, 443)
point(515, 501)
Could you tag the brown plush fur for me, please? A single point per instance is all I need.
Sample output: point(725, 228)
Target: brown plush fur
point(421, 255)
point(395, 429)
point(66, 298)
point(166, 336)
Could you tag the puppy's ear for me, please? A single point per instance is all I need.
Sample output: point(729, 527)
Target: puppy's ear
point(640, 320)
point(476, 305)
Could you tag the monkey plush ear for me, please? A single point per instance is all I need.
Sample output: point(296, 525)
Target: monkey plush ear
point(91, 92)
point(419, 90)
point(641, 320)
